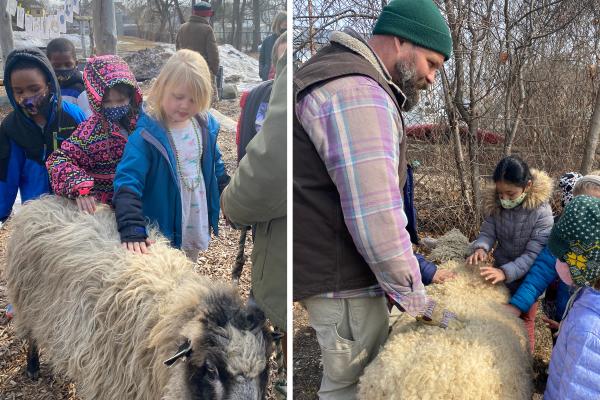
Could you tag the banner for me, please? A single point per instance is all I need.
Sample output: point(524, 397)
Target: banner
point(54, 26)
point(28, 23)
point(11, 7)
point(76, 6)
point(69, 11)
point(21, 17)
point(62, 21)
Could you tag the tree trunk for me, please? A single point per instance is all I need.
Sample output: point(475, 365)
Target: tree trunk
point(256, 22)
point(179, 12)
point(105, 27)
point(455, 132)
point(234, 20)
point(510, 134)
point(591, 142)
point(6, 33)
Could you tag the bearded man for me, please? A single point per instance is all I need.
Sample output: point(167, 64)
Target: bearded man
point(351, 246)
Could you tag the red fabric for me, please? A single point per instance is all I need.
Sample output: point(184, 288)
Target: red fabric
point(272, 72)
point(529, 320)
point(238, 130)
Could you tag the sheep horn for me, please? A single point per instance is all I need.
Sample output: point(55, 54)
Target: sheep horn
point(183, 351)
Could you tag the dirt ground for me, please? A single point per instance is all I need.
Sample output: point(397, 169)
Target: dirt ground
point(216, 263)
point(308, 368)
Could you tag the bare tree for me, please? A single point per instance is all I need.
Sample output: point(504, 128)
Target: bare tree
point(6, 33)
point(105, 27)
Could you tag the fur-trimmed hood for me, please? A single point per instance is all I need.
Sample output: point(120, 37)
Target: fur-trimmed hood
point(540, 192)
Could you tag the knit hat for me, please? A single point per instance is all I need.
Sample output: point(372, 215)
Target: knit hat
point(575, 239)
point(566, 184)
point(203, 8)
point(418, 21)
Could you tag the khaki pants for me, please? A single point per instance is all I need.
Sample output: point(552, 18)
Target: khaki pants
point(350, 334)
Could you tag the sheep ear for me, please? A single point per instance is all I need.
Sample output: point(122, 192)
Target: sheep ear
point(183, 351)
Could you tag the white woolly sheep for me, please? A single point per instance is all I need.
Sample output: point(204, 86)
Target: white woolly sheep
point(109, 319)
point(488, 359)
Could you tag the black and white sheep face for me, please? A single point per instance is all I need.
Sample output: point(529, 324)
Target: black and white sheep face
point(228, 361)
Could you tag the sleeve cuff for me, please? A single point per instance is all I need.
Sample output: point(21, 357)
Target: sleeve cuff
point(133, 234)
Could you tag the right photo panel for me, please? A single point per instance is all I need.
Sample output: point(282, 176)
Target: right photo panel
point(446, 200)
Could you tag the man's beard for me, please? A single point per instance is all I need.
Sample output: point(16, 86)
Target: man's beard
point(408, 83)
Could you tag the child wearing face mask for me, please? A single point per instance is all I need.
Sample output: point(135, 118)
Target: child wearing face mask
point(171, 172)
point(38, 124)
point(62, 56)
point(518, 222)
point(83, 168)
point(575, 242)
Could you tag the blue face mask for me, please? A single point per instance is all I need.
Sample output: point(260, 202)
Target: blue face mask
point(115, 114)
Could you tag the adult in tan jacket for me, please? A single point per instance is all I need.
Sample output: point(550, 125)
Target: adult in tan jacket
point(197, 35)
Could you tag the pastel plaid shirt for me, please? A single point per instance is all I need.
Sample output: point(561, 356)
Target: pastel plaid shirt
point(356, 129)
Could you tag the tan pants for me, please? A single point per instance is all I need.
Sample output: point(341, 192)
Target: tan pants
point(350, 334)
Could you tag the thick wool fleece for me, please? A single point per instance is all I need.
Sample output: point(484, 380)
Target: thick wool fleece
point(488, 359)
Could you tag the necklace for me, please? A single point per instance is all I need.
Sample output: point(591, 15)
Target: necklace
point(196, 181)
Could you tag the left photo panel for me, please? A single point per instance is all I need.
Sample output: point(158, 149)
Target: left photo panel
point(143, 201)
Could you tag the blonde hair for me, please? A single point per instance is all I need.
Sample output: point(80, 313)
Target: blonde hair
point(282, 39)
point(587, 185)
point(279, 18)
point(186, 67)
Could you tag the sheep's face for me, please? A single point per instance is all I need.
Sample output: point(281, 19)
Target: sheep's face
point(228, 360)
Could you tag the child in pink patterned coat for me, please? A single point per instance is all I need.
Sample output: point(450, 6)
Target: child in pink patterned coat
point(84, 167)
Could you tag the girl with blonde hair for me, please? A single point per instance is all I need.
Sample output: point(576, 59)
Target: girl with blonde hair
point(171, 173)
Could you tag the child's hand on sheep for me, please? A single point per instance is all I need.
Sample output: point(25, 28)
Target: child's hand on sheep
point(138, 247)
point(478, 256)
point(443, 275)
point(86, 204)
point(495, 275)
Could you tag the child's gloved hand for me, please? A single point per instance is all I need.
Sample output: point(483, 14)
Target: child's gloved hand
point(478, 256)
point(438, 315)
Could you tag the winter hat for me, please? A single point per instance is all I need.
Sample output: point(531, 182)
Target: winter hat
point(418, 21)
point(203, 9)
point(575, 239)
point(566, 184)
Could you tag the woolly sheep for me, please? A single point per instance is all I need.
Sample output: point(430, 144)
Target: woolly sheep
point(109, 319)
point(488, 359)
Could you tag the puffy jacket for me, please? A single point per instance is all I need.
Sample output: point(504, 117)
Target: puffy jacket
point(575, 363)
point(86, 161)
point(24, 146)
point(147, 183)
point(520, 233)
point(540, 276)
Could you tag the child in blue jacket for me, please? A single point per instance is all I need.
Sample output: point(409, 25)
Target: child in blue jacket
point(543, 273)
point(171, 173)
point(38, 124)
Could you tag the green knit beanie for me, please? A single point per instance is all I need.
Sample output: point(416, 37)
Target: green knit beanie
point(575, 239)
point(418, 21)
